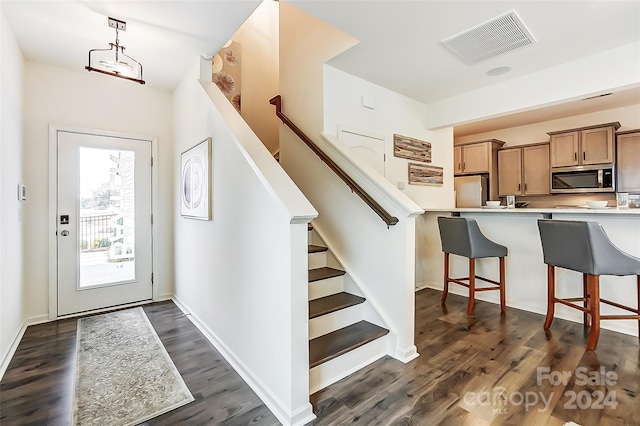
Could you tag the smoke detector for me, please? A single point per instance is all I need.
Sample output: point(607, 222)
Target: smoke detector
point(494, 37)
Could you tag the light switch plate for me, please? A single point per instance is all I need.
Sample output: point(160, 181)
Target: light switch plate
point(22, 192)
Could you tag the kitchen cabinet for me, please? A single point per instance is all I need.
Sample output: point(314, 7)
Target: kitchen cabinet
point(480, 157)
point(457, 160)
point(628, 161)
point(524, 170)
point(476, 157)
point(583, 146)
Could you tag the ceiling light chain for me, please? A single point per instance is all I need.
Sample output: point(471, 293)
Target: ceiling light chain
point(115, 62)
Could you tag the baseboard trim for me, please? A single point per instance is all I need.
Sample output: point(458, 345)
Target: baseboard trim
point(6, 359)
point(407, 355)
point(163, 297)
point(299, 417)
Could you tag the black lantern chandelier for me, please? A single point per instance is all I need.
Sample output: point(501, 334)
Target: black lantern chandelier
point(114, 61)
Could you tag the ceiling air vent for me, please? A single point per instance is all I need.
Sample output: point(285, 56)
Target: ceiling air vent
point(492, 38)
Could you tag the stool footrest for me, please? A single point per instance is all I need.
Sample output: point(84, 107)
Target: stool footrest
point(617, 317)
point(568, 303)
point(477, 278)
point(575, 299)
point(619, 306)
point(462, 283)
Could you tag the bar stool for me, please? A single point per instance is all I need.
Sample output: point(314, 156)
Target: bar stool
point(585, 247)
point(462, 237)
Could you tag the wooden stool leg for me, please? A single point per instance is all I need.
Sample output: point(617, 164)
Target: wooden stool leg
point(586, 319)
point(445, 291)
point(472, 285)
point(594, 307)
point(551, 295)
point(503, 299)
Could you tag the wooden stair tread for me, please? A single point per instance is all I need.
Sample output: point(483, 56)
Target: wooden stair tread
point(317, 249)
point(336, 343)
point(335, 302)
point(323, 273)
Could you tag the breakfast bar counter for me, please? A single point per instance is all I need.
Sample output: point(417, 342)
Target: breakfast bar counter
point(526, 273)
point(543, 211)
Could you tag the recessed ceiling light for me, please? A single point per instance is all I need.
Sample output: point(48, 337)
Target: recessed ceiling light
point(502, 69)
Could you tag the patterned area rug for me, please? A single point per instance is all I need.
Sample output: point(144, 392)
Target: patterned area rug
point(124, 376)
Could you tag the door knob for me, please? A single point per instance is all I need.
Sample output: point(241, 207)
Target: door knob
point(64, 233)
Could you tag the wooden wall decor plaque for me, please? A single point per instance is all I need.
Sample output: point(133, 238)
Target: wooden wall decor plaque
point(420, 174)
point(411, 148)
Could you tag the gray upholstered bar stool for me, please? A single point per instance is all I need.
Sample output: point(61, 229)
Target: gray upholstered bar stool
point(584, 247)
point(462, 237)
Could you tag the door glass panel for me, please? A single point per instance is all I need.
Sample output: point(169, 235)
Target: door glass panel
point(106, 226)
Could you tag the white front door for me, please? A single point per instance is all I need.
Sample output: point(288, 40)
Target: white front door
point(104, 230)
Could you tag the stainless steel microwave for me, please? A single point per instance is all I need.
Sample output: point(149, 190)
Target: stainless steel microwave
point(598, 178)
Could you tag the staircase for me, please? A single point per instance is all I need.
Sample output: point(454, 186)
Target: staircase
point(341, 341)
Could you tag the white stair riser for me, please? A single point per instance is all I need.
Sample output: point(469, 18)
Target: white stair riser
point(326, 287)
point(338, 368)
point(335, 321)
point(313, 238)
point(317, 260)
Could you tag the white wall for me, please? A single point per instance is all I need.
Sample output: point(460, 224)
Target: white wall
point(12, 153)
point(94, 101)
point(393, 113)
point(629, 118)
point(259, 38)
point(243, 274)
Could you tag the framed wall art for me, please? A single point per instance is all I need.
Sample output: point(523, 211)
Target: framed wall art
point(411, 149)
point(420, 174)
point(195, 181)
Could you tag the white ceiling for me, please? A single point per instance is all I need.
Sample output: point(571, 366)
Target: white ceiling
point(399, 40)
point(166, 37)
point(400, 45)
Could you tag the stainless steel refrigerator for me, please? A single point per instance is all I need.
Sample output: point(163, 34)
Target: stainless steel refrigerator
point(471, 191)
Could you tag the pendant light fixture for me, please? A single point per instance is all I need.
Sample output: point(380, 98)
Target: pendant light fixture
point(114, 61)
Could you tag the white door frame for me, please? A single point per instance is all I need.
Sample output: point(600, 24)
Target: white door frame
point(53, 179)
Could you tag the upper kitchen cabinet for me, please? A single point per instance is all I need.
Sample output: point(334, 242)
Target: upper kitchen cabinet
point(524, 170)
point(457, 160)
point(583, 146)
point(481, 157)
point(476, 157)
point(628, 162)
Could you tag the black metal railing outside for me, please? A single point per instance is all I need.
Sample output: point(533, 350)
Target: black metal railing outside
point(95, 232)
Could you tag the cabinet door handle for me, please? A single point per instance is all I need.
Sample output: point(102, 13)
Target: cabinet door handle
point(575, 156)
point(584, 155)
point(518, 187)
point(464, 165)
point(459, 166)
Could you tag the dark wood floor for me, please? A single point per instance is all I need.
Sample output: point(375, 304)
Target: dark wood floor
point(463, 360)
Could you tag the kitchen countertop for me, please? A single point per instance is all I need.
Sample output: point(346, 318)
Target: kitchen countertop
point(532, 210)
